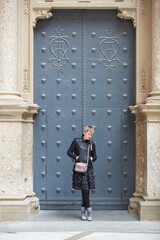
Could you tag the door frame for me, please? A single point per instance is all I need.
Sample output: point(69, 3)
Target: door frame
point(29, 11)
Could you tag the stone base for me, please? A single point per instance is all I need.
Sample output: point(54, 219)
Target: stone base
point(35, 207)
point(133, 203)
point(148, 210)
point(18, 210)
point(132, 207)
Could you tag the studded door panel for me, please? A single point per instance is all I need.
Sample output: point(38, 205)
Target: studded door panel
point(84, 74)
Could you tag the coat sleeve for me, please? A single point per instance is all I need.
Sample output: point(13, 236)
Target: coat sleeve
point(71, 150)
point(93, 152)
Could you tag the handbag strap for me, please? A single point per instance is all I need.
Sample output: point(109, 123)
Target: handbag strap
point(88, 154)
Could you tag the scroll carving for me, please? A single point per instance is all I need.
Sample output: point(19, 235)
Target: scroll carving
point(128, 14)
point(41, 14)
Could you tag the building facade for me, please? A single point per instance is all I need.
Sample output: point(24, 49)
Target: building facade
point(18, 23)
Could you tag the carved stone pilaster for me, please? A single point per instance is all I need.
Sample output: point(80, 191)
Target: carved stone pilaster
point(147, 204)
point(128, 14)
point(41, 14)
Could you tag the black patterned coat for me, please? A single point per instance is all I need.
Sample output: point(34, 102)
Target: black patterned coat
point(79, 147)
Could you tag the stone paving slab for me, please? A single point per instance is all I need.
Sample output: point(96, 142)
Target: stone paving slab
point(67, 225)
point(78, 235)
point(59, 226)
point(74, 215)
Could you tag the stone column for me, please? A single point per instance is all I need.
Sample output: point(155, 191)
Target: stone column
point(152, 186)
point(148, 205)
point(16, 184)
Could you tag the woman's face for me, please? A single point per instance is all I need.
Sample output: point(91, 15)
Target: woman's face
point(87, 135)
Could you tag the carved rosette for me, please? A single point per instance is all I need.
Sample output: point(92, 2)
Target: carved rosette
point(41, 14)
point(128, 14)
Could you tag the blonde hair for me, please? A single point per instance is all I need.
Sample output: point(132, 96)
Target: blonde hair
point(89, 128)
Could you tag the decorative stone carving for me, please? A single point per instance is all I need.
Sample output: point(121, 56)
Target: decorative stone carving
point(25, 7)
point(41, 14)
point(128, 14)
point(26, 84)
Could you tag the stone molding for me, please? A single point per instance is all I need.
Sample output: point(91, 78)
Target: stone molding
point(15, 108)
point(147, 112)
point(153, 99)
point(123, 13)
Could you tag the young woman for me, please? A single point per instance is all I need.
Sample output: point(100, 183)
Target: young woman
point(84, 181)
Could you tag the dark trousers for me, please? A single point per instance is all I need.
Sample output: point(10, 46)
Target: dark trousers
point(85, 199)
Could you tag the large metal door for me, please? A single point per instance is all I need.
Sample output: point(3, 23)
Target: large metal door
point(84, 74)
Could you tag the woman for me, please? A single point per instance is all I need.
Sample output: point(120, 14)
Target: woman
point(84, 181)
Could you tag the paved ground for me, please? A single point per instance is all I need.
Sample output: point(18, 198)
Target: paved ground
point(67, 225)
